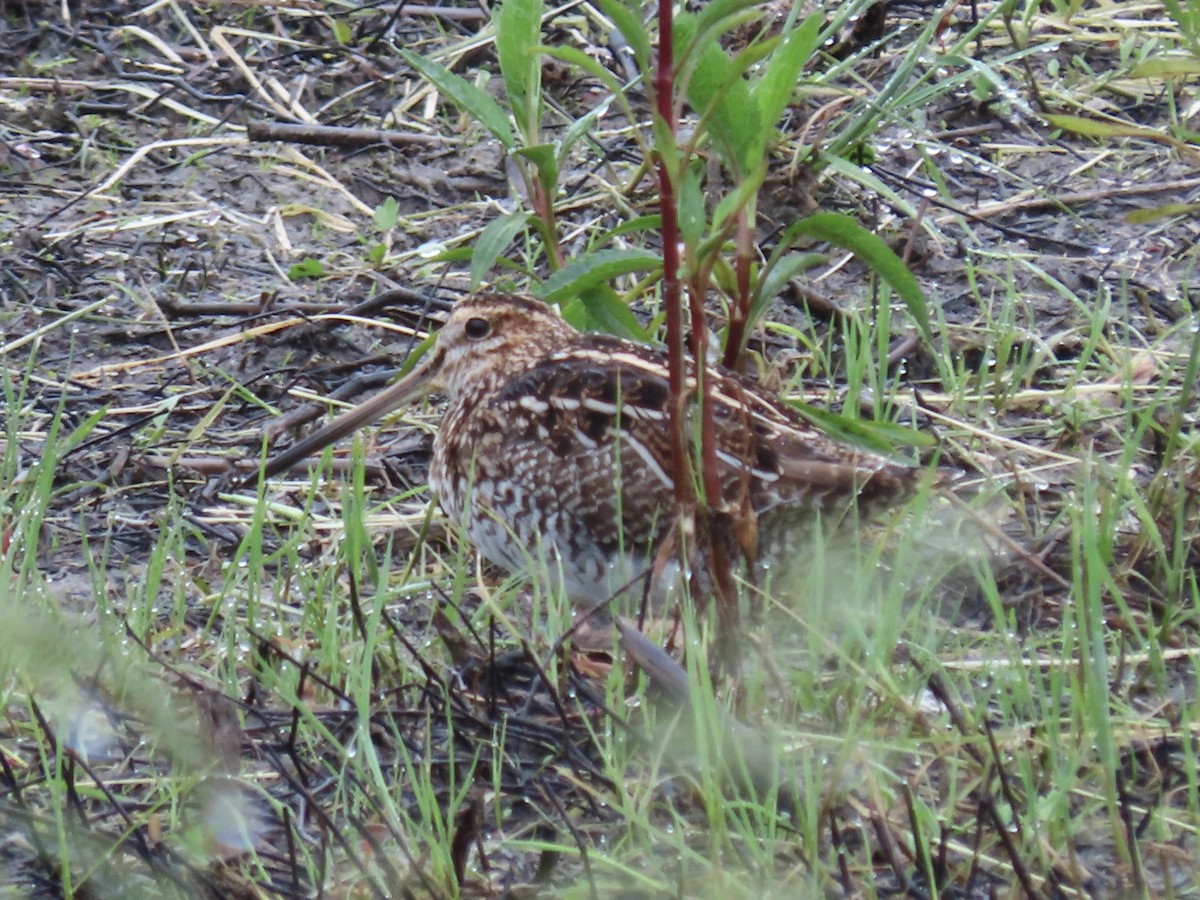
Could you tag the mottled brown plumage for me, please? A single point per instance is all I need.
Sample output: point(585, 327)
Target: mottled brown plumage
point(554, 450)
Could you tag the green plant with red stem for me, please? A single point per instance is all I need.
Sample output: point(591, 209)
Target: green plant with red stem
point(735, 101)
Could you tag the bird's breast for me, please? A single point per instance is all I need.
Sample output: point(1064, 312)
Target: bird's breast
point(532, 479)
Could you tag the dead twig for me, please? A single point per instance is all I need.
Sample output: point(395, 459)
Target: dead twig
point(336, 136)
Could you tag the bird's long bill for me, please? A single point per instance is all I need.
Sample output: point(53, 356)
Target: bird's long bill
point(402, 392)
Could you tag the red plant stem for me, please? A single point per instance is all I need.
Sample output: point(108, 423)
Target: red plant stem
point(664, 85)
point(543, 209)
point(708, 432)
point(739, 312)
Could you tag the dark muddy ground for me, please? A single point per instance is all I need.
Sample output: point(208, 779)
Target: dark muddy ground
point(163, 272)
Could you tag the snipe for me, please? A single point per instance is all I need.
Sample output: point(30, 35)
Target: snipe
point(554, 449)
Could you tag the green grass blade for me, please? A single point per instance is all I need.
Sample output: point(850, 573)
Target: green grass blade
point(870, 248)
point(493, 241)
point(465, 95)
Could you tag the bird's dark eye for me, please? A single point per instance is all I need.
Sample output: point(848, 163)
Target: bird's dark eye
point(477, 328)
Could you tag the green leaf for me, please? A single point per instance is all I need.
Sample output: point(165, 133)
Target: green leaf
point(599, 308)
point(486, 111)
point(594, 269)
point(79, 434)
point(1166, 67)
point(778, 273)
point(306, 268)
point(1187, 17)
point(692, 215)
point(880, 437)
point(1156, 213)
point(545, 158)
point(719, 16)
point(1102, 129)
point(581, 128)
point(342, 32)
point(664, 144)
point(1184, 135)
point(630, 25)
point(493, 241)
point(417, 353)
point(719, 93)
point(635, 225)
point(870, 249)
point(451, 254)
point(518, 29)
point(857, 174)
point(387, 214)
point(744, 196)
point(576, 57)
point(774, 90)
